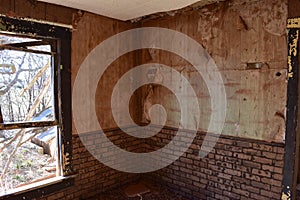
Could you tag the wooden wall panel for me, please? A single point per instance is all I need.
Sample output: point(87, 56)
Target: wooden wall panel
point(27, 9)
point(5, 6)
point(293, 7)
point(91, 31)
point(235, 33)
point(37, 10)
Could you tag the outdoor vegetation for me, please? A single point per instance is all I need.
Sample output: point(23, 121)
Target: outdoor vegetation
point(26, 95)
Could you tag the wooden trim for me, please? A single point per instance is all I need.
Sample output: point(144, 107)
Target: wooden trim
point(293, 23)
point(9, 126)
point(230, 137)
point(8, 47)
point(40, 189)
point(28, 44)
point(290, 154)
point(33, 29)
point(65, 116)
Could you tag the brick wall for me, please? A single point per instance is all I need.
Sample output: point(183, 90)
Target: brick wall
point(235, 169)
point(92, 176)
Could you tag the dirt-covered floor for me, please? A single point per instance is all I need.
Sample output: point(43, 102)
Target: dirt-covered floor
point(156, 193)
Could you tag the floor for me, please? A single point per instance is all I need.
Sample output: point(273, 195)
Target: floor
point(155, 192)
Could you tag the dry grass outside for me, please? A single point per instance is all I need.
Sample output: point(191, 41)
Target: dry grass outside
point(28, 165)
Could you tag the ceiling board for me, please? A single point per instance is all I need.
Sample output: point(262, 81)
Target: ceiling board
point(124, 9)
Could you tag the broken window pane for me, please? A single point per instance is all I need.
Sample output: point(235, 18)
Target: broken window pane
point(11, 39)
point(26, 85)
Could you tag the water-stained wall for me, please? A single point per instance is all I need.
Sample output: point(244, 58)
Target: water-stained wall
point(234, 33)
point(237, 35)
point(91, 31)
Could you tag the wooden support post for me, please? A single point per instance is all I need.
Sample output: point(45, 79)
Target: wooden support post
point(290, 153)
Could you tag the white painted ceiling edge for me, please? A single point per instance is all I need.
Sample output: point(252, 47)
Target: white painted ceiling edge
point(124, 9)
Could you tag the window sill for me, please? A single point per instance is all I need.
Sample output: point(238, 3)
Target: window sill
point(39, 189)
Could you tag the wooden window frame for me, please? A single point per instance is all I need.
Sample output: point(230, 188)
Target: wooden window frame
point(61, 38)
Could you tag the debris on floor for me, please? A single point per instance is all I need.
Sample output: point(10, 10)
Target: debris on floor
point(140, 191)
point(136, 190)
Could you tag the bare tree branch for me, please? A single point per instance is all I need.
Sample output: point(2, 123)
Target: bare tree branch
point(30, 113)
point(13, 76)
point(21, 132)
point(14, 81)
point(39, 74)
point(11, 157)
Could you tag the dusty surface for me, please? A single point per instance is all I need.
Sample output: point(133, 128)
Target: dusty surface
point(157, 193)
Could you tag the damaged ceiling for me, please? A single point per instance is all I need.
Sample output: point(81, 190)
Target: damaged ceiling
point(128, 9)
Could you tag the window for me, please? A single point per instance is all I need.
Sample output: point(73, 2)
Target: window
point(35, 103)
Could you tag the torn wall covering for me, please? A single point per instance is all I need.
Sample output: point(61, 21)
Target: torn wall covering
point(234, 33)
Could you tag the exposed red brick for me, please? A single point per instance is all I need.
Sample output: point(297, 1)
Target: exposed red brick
point(241, 192)
point(269, 155)
point(262, 147)
point(277, 176)
point(243, 144)
point(263, 173)
point(271, 181)
point(233, 172)
point(250, 189)
point(260, 185)
point(253, 152)
point(231, 195)
point(223, 152)
point(262, 160)
point(252, 164)
point(278, 163)
point(251, 177)
point(221, 197)
point(248, 171)
point(257, 196)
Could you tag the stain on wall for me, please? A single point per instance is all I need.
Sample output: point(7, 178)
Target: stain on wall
point(91, 30)
point(234, 33)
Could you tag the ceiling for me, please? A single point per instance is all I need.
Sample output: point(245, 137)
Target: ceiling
point(124, 9)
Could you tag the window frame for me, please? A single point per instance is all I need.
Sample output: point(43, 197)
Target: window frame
point(61, 37)
point(22, 46)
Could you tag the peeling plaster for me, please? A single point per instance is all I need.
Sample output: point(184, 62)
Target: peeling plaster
point(272, 13)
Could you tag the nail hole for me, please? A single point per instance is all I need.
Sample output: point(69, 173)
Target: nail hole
point(278, 74)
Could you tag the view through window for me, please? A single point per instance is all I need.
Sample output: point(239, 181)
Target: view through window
point(28, 105)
